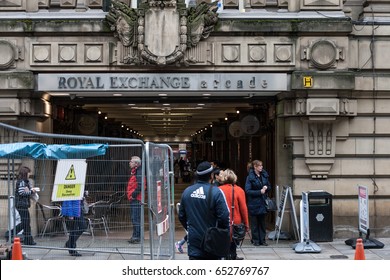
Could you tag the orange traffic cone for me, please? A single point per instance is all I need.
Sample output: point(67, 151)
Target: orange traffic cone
point(359, 250)
point(17, 250)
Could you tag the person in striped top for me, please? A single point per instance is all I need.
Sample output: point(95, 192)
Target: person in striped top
point(23, 194)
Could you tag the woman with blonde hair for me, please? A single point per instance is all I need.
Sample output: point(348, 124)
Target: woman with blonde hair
point(235, 196)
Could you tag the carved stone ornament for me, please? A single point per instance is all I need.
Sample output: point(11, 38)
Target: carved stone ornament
point(323, 54)
point(7, 57)
point(160, 31)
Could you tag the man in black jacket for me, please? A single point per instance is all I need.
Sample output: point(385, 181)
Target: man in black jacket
point(194, 212)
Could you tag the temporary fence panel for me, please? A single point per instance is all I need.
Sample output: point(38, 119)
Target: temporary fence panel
point(160, 178)
point(107, 216)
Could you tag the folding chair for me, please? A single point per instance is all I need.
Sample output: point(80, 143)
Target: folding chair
point(98, 217)
point(47, 220)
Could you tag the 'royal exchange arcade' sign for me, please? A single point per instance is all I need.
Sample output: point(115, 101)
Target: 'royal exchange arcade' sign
point(121, 82)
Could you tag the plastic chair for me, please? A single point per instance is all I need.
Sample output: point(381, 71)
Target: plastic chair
point(98, 216)
point(58, 217)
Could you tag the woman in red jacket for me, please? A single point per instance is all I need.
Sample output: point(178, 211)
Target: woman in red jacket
point(229, 179)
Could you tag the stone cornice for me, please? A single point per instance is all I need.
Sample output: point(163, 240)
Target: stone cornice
point(54, 26)
point(237, 26)
point(289, 25)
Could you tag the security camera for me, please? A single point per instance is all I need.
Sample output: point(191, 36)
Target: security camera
point(72, 96)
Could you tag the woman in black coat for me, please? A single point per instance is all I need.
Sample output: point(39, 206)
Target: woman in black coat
point(23, 193)
point(257, 186)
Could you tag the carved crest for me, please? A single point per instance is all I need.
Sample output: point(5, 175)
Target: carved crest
point(160, 31)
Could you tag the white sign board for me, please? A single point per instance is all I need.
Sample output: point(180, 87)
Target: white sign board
point(69, 182)
point(268, 83)
point(363, 209)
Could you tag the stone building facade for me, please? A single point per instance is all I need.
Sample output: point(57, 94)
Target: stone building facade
point(331, 118)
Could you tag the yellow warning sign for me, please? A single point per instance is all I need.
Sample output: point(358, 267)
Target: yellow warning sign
point(71, 174)
point(307, 82)
point(69, 182)
point(70, 190)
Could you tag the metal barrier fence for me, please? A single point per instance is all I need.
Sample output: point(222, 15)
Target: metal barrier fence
point(160, 199)
point(107, 174)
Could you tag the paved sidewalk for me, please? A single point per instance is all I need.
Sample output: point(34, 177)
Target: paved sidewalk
point(281, 250)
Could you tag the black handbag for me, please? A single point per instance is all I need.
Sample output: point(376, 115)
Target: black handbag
point(270, 204)
point(238, 230)
point(216, 241)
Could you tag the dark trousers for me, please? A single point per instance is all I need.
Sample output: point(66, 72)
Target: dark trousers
point(258, 228)
point(135, 215)
point(76, 227)
point(25, 225)
point(233, 250)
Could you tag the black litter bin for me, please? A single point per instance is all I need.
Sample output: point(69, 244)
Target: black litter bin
point(320, 216)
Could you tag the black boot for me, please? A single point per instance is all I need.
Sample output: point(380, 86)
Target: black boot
point(74, 253)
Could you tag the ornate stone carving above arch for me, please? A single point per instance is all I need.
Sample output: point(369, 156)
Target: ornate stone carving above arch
point(161, 31)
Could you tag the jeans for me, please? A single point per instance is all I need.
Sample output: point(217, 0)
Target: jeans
point(135, 215)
